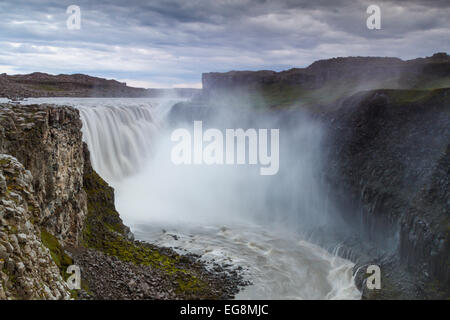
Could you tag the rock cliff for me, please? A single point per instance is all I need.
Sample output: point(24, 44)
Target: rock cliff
point(43, 203)
point(47, 141)
point(27, 269)
point(389, 167)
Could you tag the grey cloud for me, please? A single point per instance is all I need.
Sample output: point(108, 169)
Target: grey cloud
point(175, 40)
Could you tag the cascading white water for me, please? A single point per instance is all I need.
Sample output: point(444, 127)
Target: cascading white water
point(226, 214)
point(120, 132)
point(119, 138)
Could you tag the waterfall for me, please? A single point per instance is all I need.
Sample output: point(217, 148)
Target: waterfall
point(119, 138)
point(120, 132)
point(227, 214)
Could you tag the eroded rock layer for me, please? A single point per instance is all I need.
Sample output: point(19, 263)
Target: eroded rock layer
point(27, 269)
point(47, 141)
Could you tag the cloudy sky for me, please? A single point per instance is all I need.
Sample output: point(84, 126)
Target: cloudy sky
point(170, 43)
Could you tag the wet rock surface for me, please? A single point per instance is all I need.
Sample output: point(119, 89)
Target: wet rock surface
point(27, 270)
point(389, 168)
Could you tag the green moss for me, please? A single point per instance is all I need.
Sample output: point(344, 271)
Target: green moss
point(402, 97)
point(13, 229)
point(409, 88)
point(280, 95)
point(405, 98)
point(11, 277)
point(436, 84)
point(105, 231)
point(189, 286)
point(74, 294)
point(436, 290)
point(61, 259)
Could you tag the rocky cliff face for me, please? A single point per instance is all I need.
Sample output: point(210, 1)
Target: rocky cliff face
point(27, 269)
point(389, 164)
point(358, 69)
point(47, 141)
point(43, 207)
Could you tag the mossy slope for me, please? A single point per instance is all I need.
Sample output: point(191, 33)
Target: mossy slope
point(105, 231)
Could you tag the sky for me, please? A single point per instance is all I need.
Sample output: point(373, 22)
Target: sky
point(170, 43)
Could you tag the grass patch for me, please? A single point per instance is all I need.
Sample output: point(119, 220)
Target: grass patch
point(407, 97)
point(104, 231)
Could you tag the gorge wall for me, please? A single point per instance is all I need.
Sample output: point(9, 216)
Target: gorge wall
point(389, 169)
point(47, 141)
point(50, 200)
point(27, 269)
point(43, 205)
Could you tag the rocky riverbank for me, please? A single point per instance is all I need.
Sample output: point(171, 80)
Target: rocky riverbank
point(56, 211)
point(109, 277)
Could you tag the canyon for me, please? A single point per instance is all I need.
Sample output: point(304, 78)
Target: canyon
point(386, 155)
point(57, 211)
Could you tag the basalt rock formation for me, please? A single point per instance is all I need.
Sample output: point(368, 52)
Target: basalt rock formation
point(47, 141)
point(44, 202)
point(27, 268)
point(389, 166)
